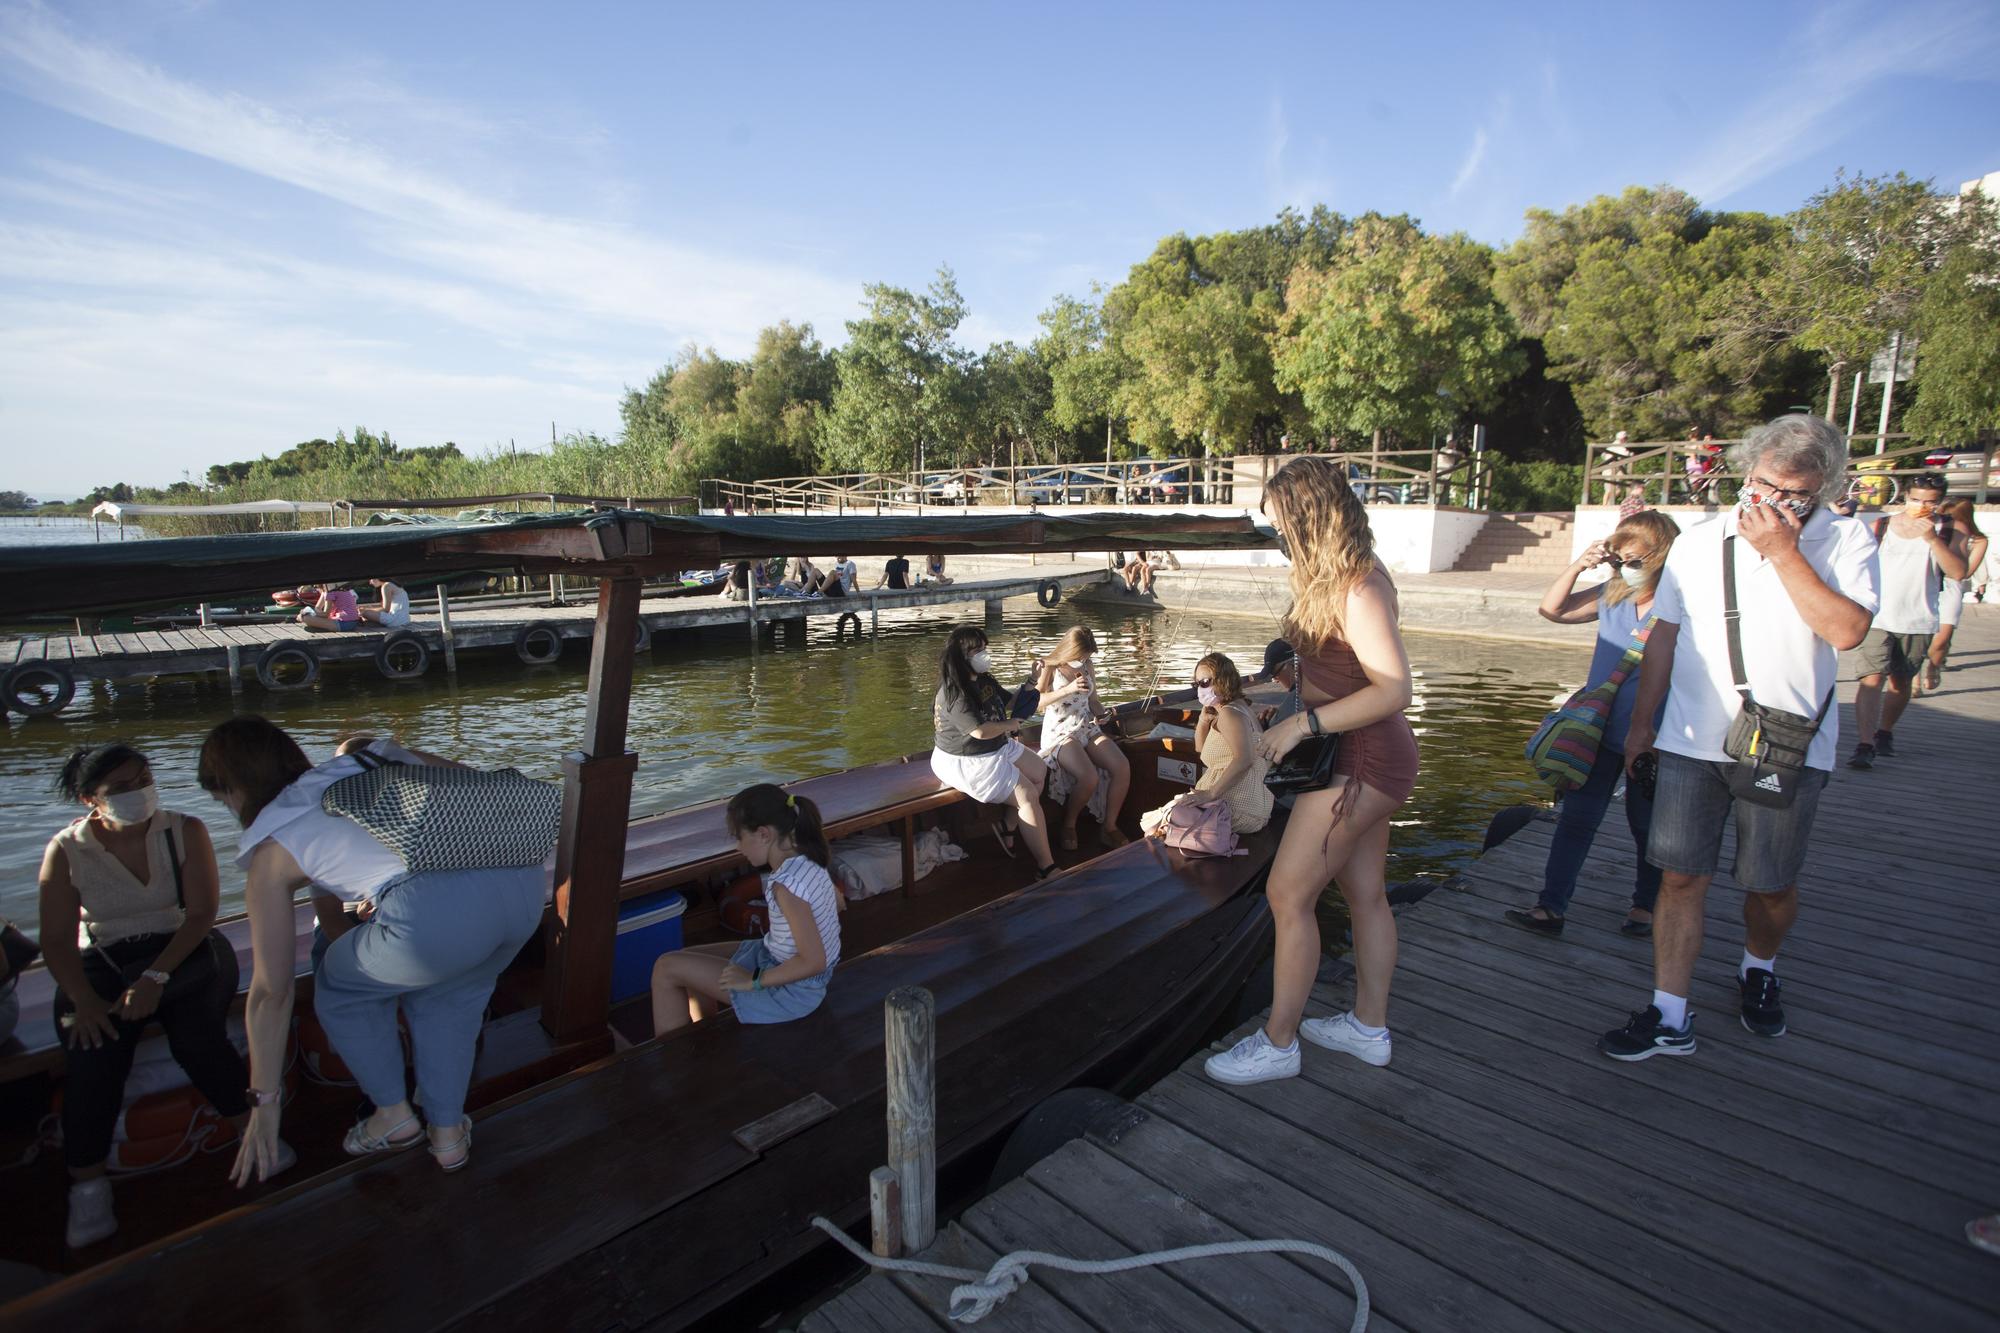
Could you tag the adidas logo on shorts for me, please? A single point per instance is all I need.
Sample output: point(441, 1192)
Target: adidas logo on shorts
point(1770, 782)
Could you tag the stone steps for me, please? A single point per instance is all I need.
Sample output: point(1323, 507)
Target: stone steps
point(1520, 544)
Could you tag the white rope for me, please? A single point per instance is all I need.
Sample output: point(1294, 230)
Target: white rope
point(979, 1294)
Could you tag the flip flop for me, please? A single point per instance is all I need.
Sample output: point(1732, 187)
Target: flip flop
point(1003, 833)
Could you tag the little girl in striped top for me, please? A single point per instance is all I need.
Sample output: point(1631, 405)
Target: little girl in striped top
point(782, 976)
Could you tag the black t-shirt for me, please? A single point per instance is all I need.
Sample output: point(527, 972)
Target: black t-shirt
point(898, 571)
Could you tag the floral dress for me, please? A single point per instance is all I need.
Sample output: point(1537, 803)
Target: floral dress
point(1069, 718)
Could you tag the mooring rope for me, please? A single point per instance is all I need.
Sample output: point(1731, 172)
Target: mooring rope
point(979, 1294)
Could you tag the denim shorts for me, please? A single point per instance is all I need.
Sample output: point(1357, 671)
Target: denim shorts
point(776, 1004)
point(1691, 807)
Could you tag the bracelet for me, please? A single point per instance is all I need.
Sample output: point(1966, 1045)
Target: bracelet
point(757, 979)
point(157, 977)
point(1312, 722)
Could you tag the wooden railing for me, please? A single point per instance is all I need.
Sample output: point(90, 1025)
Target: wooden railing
point(1406, 476)
point(1659, 472)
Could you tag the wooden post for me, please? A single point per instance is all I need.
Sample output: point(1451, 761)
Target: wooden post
point(444, 632)
point(1985, 471)
point(885, 1215)
point(750, 596)
point(909, 1021)
point(995, 611)
point(234, 655)
point(582, 931)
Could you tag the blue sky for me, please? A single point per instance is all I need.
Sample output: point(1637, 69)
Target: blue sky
point(227, 226)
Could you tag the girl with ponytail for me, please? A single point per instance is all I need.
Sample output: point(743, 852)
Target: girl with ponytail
point(784, 975)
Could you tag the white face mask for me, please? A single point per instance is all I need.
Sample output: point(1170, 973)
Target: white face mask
point(131, 807)
point(981, 662)
point(1633, 575)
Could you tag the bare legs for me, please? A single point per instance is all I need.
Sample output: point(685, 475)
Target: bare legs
point(1767, 918)
point(1117, 769)
point(686, 985)
point(1879, 700)
point(1316, 849)
point(1677, 929)
point(1028, 805)
point(1082, 772)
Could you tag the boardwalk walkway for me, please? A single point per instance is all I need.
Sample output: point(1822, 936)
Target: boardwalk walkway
point(1502, 1175)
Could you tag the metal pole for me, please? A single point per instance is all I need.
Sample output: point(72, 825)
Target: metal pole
point(1889, 390)
point(1854, 405)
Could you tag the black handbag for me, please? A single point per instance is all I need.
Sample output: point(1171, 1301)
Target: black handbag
point(1307, 766)
point(1769, 745)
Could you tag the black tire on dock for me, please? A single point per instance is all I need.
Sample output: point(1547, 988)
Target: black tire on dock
point(840, 625)
point(393, 656)
point(1073, 1113)
point(279, 654)
point(642, 637)
point(37, 689)
point(538, 645)
point(1507, 823)
point(1048, 592)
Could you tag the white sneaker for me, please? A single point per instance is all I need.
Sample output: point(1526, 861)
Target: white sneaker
point(90, 1215)
point(1253, 1060)
point(1340, 1034)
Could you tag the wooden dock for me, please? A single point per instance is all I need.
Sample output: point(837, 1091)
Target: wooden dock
point(461, 626)
point(1502, 1175)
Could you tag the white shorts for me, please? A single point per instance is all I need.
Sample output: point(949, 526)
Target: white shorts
point(987, 778)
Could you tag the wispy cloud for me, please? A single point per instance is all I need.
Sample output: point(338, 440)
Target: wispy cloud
point(1846, 54)
point(1287, 182)
point(1496, 124)
point(1469, 168)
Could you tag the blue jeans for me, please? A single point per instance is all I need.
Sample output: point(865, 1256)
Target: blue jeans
point(1576, 828)
point(437, 943)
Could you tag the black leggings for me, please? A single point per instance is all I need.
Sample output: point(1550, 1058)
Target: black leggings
point(193, 1008)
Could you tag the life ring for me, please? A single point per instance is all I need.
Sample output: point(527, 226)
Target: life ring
point(277, 653)
point(1049, 592)
point(840, 626)
point(537, 645)
point(642, 638)
point(401, 644)
point(743, 908)
point(37, 689)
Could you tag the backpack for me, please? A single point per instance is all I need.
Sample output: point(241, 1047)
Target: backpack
point(1202, 830)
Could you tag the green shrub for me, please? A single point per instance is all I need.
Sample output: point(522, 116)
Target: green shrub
point(1520, 487)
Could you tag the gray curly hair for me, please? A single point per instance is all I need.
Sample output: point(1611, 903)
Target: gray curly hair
point(1797, 443)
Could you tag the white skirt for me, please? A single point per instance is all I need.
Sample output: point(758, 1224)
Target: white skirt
point(987, 778)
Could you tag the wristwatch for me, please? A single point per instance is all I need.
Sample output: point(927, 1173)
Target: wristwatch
point(157, 977)
point(257, 1098)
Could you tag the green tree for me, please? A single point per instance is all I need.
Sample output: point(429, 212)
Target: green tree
point(1011, 394)
point(1200, 370)
point(1529, 275)
point(901, 389)
point(1084, 372)
point(781, 402)
point(1957, 319)
point(1402, 335)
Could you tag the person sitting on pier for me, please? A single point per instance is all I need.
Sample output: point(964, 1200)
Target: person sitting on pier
point(129, 895)
point(975, 749)
point(434, 944)
point(394, 610)
point(803, 575)
point(1806, 582)
point(784, 974)
point(934, 569)
point(1138, 574)
point(895, 574)
point(736, 587)
point(845, 574)
point(1071, 738)
point(1637, 552)
point(329, 608)
point(1226, 739)
point(1354, 682)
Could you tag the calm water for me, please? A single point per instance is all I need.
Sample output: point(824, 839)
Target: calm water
point(710, 716)
point(53, 529)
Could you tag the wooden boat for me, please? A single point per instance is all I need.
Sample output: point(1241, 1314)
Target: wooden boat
point(673, 1181)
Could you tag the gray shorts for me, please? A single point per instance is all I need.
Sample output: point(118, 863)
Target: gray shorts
point(1887, 653)
point(1691, 807)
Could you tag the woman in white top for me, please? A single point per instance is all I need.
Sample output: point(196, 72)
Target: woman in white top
point(1072, 739)
point(394, 610)
point(784, 975)
point(431, 943)
point(129, 896)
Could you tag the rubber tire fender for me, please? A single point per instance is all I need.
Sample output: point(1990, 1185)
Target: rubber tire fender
point(1049, 593)
point(25, 672)
point(642, 637)
point(267, 663)
point(1073, 1113)
point(385, 655)
point(528, 635)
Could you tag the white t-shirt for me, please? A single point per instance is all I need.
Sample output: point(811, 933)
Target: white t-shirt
point(1909, 585)
point(339, 856)
point(849, 574)
point(810, 884)
point(1789, 666)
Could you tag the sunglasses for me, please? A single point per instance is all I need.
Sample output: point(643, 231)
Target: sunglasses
point(1637, 562)
point(1203, 682)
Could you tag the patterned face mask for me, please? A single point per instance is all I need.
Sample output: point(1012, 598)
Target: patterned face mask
point(1801, 509)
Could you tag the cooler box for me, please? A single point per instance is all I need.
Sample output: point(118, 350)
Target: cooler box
point(647, 928)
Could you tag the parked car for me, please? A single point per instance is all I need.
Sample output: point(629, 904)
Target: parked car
point(1961, 472)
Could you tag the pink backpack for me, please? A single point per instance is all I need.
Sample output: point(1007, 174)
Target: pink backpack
point(1202, 830)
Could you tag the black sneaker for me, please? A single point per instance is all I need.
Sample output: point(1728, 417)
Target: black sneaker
point(1864, 756)
point(1646, 1036)
point(1535, 925)
point(1885, 745)
point(1762, 1014)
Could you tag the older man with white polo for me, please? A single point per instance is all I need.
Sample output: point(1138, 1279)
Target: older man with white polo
point(1754, 610)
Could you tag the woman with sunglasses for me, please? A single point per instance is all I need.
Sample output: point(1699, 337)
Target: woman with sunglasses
point(1636, 551)
point(1232, 769)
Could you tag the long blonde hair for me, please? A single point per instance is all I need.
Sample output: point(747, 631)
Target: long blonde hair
point(1076, 645)
point(1658, 532)
point(1332, 547)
